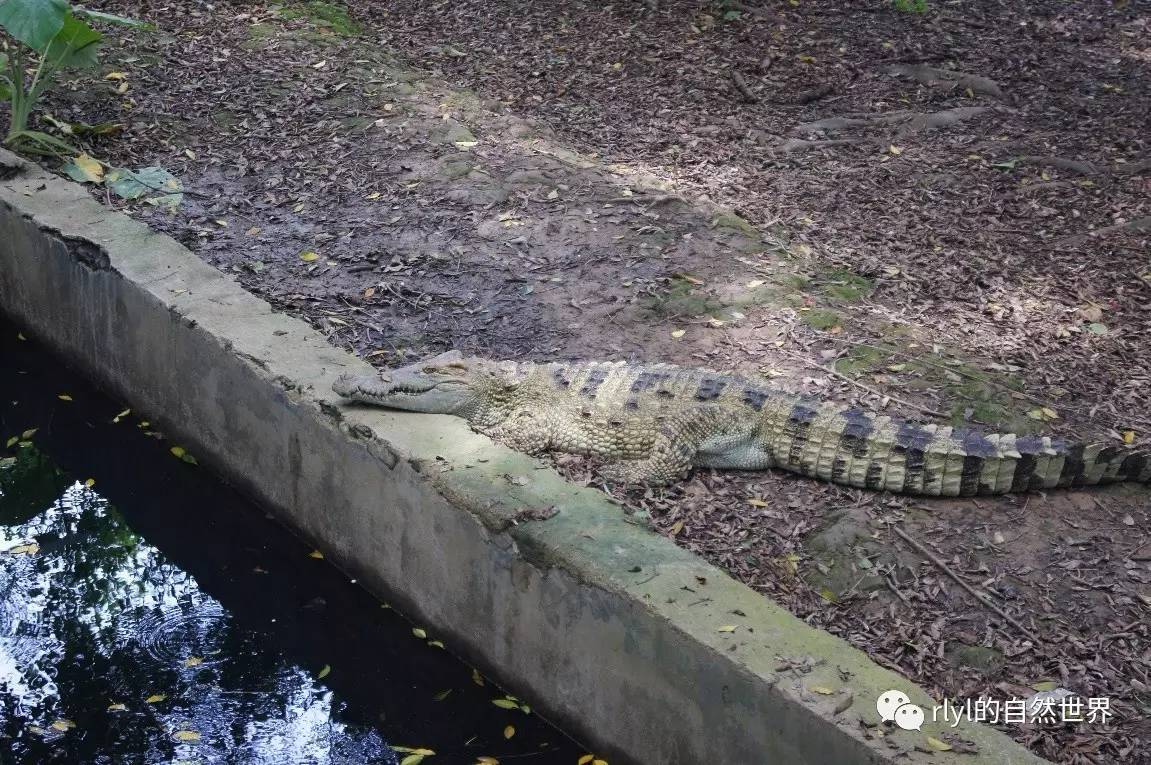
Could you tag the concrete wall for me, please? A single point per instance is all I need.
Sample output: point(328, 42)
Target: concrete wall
point(609, 630)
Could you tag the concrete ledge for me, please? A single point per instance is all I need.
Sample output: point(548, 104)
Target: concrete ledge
point(608, 629)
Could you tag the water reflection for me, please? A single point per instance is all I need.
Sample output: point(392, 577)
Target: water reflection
point(100, 630)
point(155, 617)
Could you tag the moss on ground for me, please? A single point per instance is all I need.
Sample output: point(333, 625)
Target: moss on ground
point(681, 297)
point(820, 318)
point(330, 17)
point(845, 286)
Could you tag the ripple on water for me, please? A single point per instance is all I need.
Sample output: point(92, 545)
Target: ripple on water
point(196, 626)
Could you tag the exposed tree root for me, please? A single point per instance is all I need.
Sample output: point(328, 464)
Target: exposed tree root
point(743, 88)
point(938, 120)
point(1139, 226)
point(1071, 165)
point(911, 122)
point(796, 145)
point(832, 124)
point(807, 96)
point(930, 75)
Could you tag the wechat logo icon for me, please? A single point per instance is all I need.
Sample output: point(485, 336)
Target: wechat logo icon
point(895, 706)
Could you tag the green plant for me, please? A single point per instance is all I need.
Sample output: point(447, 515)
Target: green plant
point(50, 36)
point(910, 6)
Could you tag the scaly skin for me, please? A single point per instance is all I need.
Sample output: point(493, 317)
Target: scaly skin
point(653, 423)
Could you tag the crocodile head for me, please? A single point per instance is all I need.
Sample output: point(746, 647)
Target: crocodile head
point(446, 384)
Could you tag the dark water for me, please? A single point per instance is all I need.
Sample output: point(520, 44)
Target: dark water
point(156, 617)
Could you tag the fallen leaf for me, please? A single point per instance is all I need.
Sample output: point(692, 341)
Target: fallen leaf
point(308, 256)
point(90, 482)
point(586, 759)
point(117, 707)
point(727, 628)
point(477, 678)
point(676, 528)
point(186, 735)
point(327, 670)
point(822, 690)
point(85, 169)
point(29, 549)
point(937, 745)
point(63, 725)
point(1128, 436)
point(509, 731)
point(316, 554)
point(505, 704)
point(418, 632)
point(678, 333)
point(155, 698)
point(64, 397)
point(484, 760)
point(193, 661)
point(757, 503)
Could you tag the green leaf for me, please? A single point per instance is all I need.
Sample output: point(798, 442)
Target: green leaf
point(74, 46)
point(33, 22)
point(112, 18)
point(133, 184)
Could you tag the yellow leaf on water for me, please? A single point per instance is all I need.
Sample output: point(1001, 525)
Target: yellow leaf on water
point(505, 704)
point(483, 760)
point(435, 644)
point(585, 759)
point(727, 628)
point(757, 503)
point(443, 694)
point(90, 482)
point(1049, 413)
point(28, 434)
point(1045, 685)
point(186, 735)
point(409, 750)
point(477, 678)
point(29, 549)
point(117, 707)
point(327, 670)
point(316, 554)
point(894, 150)
point(412, 759)
point(509, 731)
point(598, 762)
point(64, 397)
point(676, 528)
point(63, 725)
point(1128, 436)
point(115, 76)
point(12, 441)
point(822, 690)
point(308, 256)
point(420, 633)
point(193, 661)
point(937, 745)
point(155, 698)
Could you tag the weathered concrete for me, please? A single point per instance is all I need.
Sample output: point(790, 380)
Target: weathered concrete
point(610, 630)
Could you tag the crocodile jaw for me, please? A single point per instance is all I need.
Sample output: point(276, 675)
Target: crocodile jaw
point(410, 389)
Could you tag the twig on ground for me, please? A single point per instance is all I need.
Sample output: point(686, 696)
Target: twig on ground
point(983, 599)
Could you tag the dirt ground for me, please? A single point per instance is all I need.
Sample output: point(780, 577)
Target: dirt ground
point(943, 212)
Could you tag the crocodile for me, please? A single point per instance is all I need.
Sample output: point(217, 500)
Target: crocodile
point(653, 423)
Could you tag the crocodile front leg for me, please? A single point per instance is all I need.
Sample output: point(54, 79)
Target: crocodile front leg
point(522, 431)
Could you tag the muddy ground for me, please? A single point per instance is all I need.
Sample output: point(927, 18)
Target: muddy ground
point(941, 213)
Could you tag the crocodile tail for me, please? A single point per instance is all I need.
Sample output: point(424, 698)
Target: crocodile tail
point(856, 448)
